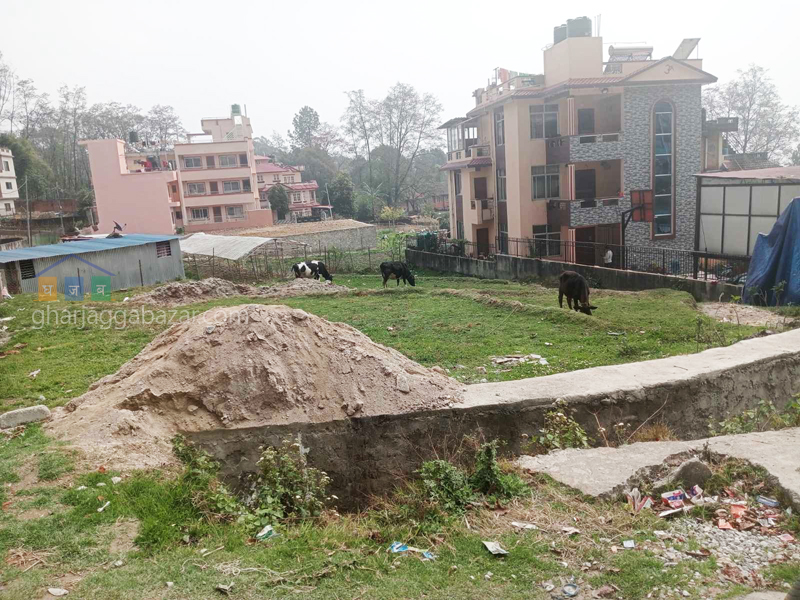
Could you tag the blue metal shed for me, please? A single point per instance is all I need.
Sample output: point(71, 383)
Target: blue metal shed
point(131, 260)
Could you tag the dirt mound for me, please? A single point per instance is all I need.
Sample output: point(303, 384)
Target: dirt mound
point(238, 367)
point(743, 314)
point(188, 292)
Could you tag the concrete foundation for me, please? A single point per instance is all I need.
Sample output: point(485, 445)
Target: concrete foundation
point(514, 267)
point(372, 454)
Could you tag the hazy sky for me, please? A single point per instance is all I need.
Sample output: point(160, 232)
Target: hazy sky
point(275, 57)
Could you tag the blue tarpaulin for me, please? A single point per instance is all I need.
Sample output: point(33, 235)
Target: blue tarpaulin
point(776, 258)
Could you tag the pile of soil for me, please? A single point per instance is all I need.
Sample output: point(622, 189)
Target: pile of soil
point(243, 366)
point(743, 314)
point(188, 292)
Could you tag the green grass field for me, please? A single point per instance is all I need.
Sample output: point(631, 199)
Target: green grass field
point(51, 534)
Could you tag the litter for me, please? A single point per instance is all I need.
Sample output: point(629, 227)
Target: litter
point(101, 485)
point(118, 563)
point(266, 533)
point(570, 530)
point(429, 555)
point(519, 359)
point(672, 511)
point(629, 544)
point(225, 589)
point(398, 547)
point(570, 590)
point(105, 506)
point(495, 548)
point(723, 524)
point(5, 319)
point(615, 333)
point(548, 344)
point(548, 586)
point(738, 509)
point(786, 538)
point(34, 374)
point(80, 488)
point(519, 525)
point(116, 480)
point(771, 502)
point(57, 591)
point(488, 575)
point(636, 502)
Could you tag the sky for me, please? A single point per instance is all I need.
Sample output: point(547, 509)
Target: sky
point(275, 57)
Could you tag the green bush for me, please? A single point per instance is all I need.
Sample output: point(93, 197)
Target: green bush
point(764, 417)
point(561, 430)
point(446, 484)
point(490, 480)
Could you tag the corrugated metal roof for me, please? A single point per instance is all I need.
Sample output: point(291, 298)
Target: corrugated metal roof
point(787, 173)
point(82, 247)
point(232, 247)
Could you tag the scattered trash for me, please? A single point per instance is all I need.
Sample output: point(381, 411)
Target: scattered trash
point(5, 319)
point(57, 591)
point(548, 343)
point(629, 544)
point(118, 563)
point(637, 502)
point(101, 484)
point(723, 524)
point(616, 333)
point(125, 299)
point(672, 511)
point(570, 530)
point(116, 480)
point(519, 359)
point(786, 538)
point(495, 548)
point(34, 374)
point(206, 552)
point(105, 506)
point(266, 533)
point(170, 584)
point(225, 589)
point(80, 488)
point(429, 555)
point(398, 547)
point(771, 502)
point(519, 525)
point(548, 586)
point(570, 590)
point(488, 575)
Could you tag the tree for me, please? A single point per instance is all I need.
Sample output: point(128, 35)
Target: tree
point(359, 129)
point(274, 146)
point(368, 203)
point(278, 200)
point(766, 124)
point(28, 165)
point(305, 126)
point(795, 160)
point(391, 214)
point(341, 191)
point(318, 165)
point(162, 125)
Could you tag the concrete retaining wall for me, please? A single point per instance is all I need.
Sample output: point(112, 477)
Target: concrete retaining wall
point(513, 267)
point(355, 238)
point(370, 455)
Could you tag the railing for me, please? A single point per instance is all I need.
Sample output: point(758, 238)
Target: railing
point(595, 202)
point(646, 259)
point(613, 68)
point(595, 138)
point(478, 150)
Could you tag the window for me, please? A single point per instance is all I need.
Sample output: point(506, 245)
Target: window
point(454, 140)
point(663, 155)
point(27, 269)
point(210, 162)
point(470, 133)
point(544, 121)
point(231, 187)
point(228, 160)
point(6, 166)
point(9, 185)
point(196, 189)
point(199, 214)
point(260, 178)
point(163, 249)
point(544, 182)
point(499, 128)
point(546, 241)
point(192, 162)
point(235, 212)
point(457, 182)
point(214, 187)
point(246, 185)
point(501, 185)
point(502, 239)
point(276, 178)
point(174, 188)
point(459, 230)
point(297, 197)
point(8, 207)
point(243, 160)
point(288, 179)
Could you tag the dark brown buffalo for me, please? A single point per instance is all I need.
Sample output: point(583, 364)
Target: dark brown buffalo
point(574, 287)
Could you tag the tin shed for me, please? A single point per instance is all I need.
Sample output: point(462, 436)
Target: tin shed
point(131, 260)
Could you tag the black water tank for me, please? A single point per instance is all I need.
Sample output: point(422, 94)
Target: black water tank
point(559, 33)
point(133, 137)
point(580, 27)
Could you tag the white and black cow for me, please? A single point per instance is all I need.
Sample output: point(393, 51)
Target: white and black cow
point(312, 268)
point(397, 270)
point(574, 287)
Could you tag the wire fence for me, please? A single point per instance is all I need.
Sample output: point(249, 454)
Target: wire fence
point(645, 259)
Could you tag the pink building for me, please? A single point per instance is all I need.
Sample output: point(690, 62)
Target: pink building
point(206, 184)
point(302, 195)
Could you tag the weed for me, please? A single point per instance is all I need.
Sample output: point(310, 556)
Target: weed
point(561, 430)
point(489, 479)
point(654, 432)
point(764, 417)
point(446, 485)
point(53, 465)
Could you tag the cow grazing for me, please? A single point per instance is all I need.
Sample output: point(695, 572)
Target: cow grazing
point(396, 270)
point(312, 268)
point(574, 287)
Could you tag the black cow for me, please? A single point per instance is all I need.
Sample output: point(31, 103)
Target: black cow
point(312, 268)
point(574, 287)
point(396, 270)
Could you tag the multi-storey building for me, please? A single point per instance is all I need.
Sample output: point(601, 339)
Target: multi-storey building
point(302, 194)
point(554, 157)
point(9, 192)
point(206, 184)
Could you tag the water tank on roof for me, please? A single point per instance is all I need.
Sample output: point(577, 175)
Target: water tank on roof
point(236, 110)
point(580, 27)
point(559, 33)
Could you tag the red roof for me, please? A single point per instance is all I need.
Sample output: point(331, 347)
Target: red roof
point(265, 166)
point(299, 187)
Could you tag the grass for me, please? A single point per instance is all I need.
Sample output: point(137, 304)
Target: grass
point(428, 323)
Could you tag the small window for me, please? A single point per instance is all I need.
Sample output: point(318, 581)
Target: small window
point(228, 160)
point(8, 207)
point(196, 189)
point(499, 128)
point(663, 184)
point(544, 121)
point(545, 182)
point(246, 185)
point(178, 215)
point(9, 185)
point(276, 178)
point(243, 160)
point(192, 162)
point(210, 162)
point(199, 214)
point(288, 179)
point(163, 249)
point(546, 241)
point(260, 178)
point(457, 182)
point(231, 187)
point(27, 269)
point(214, 186)
point(174, 188)
point(501, 185)
point(6, 166)
point(235, 212)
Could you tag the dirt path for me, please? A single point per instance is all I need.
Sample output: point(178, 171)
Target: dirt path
point(742, 314)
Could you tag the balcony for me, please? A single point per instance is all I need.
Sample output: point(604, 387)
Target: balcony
point(484, 210)
point(582, 148)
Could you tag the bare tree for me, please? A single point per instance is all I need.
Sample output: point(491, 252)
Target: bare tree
point(766, 124)
point(8, 83)
point(163, 125)
point(359, 127)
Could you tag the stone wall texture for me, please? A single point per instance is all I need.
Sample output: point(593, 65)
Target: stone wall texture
point(356, 238)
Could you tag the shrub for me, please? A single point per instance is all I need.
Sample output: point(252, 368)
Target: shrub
point(488, 478)
point(764, 417)
point(561, 430)
point(446, 484)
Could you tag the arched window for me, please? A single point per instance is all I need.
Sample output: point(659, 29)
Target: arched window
point(663, 168)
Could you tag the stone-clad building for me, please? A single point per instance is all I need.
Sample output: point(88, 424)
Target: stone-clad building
point(553, 158)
